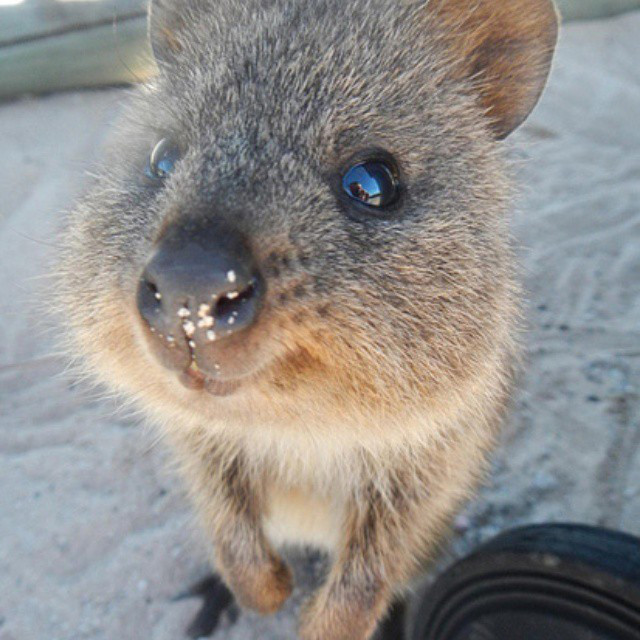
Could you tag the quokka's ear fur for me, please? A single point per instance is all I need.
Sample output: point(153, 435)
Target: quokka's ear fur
point(505, 47)
point(164, 22)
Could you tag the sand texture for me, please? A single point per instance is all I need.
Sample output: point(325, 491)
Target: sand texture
point(96, 540)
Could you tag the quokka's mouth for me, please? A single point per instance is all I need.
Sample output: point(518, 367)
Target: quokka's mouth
point(196, 379)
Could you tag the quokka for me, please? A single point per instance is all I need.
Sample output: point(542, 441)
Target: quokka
point(296, 258)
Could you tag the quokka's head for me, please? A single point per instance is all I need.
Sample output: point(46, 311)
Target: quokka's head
point(305, 209)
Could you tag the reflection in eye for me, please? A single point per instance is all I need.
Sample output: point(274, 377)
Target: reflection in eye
point(373, 183)
point(162, 159)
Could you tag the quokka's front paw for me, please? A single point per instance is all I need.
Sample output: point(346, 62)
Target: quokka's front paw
point(350, 619)
point(263, 588)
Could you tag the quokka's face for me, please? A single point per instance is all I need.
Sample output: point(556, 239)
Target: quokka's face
point(307, 202)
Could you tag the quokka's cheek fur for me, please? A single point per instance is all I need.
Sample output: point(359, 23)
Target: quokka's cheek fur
point(378, 354)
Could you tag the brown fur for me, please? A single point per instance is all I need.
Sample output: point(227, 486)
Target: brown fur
point(495, 40)
point(377, 375)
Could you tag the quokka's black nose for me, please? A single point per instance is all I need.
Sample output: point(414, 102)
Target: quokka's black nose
point(200, 286)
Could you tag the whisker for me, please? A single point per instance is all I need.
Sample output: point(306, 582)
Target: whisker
point(36, 240)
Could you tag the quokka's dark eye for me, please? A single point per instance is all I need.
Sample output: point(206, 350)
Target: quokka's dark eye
point(162, 159)
point(373, 183)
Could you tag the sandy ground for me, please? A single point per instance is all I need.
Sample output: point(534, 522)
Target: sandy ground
point(96, 540)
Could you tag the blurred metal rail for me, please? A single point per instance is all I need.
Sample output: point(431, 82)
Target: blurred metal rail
point(50, 45)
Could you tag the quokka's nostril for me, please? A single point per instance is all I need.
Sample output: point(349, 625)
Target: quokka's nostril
point(149, 298)
point(237, 306)
point(153, 290)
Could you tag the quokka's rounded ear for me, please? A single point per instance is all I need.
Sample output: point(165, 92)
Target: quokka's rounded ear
point(505, 47)
point(164, 22)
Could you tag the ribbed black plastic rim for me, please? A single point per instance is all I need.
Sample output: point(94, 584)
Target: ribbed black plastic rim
point(514, 574)
point(532, 593)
